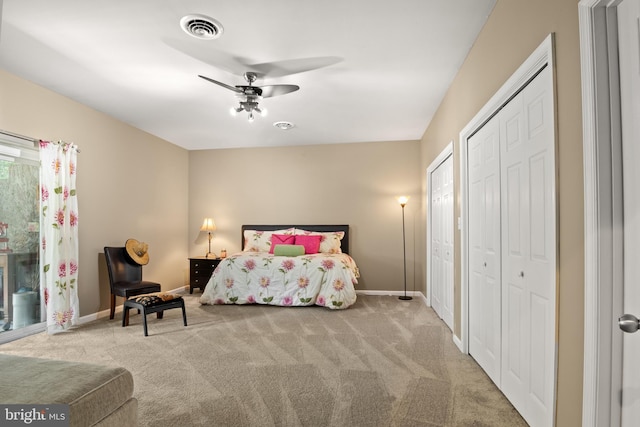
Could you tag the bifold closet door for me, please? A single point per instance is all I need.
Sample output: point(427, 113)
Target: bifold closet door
point(441, 211)
point(436, 241)
point(447, 242)
point(484, 249)
point(512, 249)
point(528, 250)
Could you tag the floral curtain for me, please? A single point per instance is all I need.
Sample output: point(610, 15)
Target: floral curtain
point(59, 234)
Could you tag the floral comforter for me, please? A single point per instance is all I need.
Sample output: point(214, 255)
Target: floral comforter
point(258, 277)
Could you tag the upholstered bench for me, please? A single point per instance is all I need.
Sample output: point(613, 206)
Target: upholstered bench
point(97, 395)
point(148, 304)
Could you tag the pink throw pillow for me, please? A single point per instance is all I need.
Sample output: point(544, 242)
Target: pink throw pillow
point(311, 243)
point(281, 239)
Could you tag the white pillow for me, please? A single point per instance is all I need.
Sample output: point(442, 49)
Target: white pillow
point(330, 242)
point(260, 241)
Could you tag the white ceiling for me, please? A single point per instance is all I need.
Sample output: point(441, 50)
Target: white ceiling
point(387, 64)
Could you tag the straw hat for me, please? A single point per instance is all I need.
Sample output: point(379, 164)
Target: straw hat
point(137, 251)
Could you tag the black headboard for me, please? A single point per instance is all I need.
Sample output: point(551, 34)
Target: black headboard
point(344, 244)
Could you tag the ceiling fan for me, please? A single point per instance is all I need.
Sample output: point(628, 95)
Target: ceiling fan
point(251, 95)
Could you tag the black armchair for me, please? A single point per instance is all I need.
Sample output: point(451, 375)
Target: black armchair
point(125, 276)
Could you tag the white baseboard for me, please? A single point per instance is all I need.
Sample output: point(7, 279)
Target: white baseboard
point(458, 343)
point(423, 297)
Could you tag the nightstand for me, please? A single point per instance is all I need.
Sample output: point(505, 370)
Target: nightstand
point(200, 270)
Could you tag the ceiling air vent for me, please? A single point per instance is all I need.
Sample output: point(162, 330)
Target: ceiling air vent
point(201, 27)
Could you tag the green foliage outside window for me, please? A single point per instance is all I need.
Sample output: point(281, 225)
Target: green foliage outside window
point(4, 169)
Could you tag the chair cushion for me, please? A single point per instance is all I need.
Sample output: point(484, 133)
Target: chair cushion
point(151, 300)
point(147, 300)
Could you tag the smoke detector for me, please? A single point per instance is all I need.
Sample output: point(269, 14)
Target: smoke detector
point(201, 27)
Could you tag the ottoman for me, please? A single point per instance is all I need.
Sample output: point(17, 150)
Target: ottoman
point(96, 395)
point(148, 304)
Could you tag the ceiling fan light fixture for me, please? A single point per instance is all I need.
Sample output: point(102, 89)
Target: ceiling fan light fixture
point(249, 106)
point(201, 27)
point(283, 125)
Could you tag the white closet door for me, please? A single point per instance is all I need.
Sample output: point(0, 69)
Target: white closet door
point(484, 249)
point(528, 250)
point(441, 211)
point(629, 39)
point(436, 241)
point(447, 242)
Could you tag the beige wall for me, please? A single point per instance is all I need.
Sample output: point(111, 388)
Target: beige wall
point(513, 31)
point(130, 184)
point(353, 184)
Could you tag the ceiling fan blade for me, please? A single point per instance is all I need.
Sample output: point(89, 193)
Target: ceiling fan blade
point(292, 66)
point(224, 85)
point(222, 61)
point(275, 90)
point(238, 65)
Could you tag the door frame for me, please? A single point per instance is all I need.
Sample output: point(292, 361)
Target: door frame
point(444, 155)
point(602, 157)
point(541, 57)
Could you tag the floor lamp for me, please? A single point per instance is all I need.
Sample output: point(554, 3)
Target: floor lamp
point(403, 201)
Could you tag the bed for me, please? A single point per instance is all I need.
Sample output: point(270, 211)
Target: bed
point(287, 265)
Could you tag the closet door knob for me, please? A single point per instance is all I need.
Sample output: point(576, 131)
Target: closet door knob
point(521, 274)
point(629, 323)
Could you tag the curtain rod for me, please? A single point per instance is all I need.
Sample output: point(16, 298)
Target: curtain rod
point(25, 138)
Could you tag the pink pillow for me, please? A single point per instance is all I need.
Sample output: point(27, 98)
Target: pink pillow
point(281, 239)
point(311, 243)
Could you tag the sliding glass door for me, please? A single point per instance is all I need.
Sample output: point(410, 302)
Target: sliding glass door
point(20, 302)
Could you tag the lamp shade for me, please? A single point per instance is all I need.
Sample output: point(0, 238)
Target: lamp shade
point(208, 225)
point(403, 200)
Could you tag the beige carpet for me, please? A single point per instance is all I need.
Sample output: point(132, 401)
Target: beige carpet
point(382, 362)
